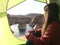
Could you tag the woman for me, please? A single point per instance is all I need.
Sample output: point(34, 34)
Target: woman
point(50, 32)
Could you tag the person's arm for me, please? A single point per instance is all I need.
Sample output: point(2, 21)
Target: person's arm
point(46, 39)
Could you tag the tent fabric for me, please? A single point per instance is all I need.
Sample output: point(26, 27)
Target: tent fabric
point(6, 37)
point(44, 1)
point(3, 4)
point(12, 3)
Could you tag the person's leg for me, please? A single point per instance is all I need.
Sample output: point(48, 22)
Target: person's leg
point(29, 43)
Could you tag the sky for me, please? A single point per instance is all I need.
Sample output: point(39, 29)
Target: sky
point(26, 7)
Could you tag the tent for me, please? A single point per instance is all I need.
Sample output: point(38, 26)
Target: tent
point(6, 37)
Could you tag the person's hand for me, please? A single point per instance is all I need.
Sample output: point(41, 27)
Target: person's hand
point(30, 32)
point(27, 33)
point(36, 32)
